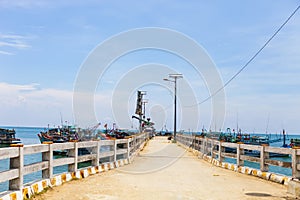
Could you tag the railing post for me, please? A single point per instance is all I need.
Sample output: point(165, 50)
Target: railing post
point(128, 148)
point(96, 150)
point(17, 163)
point(140, 140)
point(212, 148)
point(115, 150)
point(206, 146)
point(198, 143)
point(263, 156)
point(221, 149)
point(239, 152)
point(73, 153)
point(48, 156)
point(202, 145)
point(295, 163)
point(134, 143)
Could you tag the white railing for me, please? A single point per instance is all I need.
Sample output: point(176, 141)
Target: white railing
point(93, 152)
point(242, 152)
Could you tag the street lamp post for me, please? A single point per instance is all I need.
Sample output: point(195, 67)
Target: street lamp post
point(174, 78)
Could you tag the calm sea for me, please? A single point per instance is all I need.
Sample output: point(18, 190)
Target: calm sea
point(28, 135)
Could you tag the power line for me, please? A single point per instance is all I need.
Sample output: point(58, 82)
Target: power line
point(250, 60)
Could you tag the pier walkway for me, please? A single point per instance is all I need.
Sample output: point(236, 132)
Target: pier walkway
point(164, 170)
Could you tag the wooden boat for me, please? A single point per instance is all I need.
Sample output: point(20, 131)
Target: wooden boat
point(8, 137)
point(54, 137)
point(58, 135)
point(295, 142)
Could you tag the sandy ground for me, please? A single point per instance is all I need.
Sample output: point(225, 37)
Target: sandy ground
point(164, 170)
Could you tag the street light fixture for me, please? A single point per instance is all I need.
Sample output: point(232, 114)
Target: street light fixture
point(173, 78)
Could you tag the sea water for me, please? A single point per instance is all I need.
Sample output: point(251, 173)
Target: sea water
point(274, 169)
point(28, 136)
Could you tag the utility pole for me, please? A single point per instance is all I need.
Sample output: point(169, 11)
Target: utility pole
point(174, 78)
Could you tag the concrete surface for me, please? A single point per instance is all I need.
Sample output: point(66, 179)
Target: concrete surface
point(163, 170)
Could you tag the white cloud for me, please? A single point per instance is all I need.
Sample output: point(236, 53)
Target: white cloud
point(31, 105)
point(6, 53)
point(12, 42)
point(8, 36)
point(15, 44)
point(6, 87)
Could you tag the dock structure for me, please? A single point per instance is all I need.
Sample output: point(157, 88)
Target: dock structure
point(192, 168)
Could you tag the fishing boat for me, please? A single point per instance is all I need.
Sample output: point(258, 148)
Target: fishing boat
point(8, 137)
point(258, 140)
point(59, 135)
point(67, 133)
point(295, 143)
point(55, 137)
point(164, 131)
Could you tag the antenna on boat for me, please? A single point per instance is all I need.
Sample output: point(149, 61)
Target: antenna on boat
point(237, 123)
point(61, 119)
point(215, 126)
point(268, 120)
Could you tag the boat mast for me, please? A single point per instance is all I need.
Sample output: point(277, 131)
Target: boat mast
point(61, 119)
point(284, 144)
point(237, 124)
point(268, 120)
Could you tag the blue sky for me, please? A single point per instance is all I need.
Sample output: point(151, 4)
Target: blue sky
point(43, 44)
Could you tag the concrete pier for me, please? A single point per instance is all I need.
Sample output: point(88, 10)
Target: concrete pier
point(164, 170)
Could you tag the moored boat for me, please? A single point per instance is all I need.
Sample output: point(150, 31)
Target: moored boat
point(295, 143)
point(59, 135)
point(8, 137)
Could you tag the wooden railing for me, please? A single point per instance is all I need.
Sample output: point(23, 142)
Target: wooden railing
point(243, 152)
point(94, 151)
